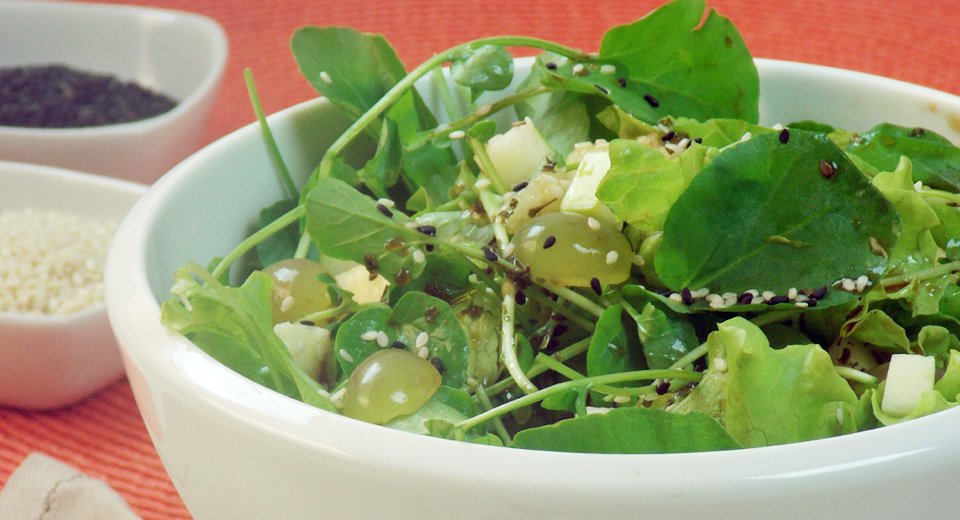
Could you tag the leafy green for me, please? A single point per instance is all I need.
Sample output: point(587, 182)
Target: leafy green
point(763, 208)
point(613, 347)
point(936, 160)
point(488, 67)
point(629, 430)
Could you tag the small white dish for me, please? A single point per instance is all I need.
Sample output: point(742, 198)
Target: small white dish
point(289, 460)
point(179, 54)
point(50, 361)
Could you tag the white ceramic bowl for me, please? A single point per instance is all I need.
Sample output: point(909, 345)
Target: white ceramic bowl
point(51, 361)
point(237, 450)
point(179, 54)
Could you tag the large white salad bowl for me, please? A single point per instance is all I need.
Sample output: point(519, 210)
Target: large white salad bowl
point(237, 450)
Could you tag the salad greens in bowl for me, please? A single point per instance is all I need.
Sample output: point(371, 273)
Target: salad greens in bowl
point(575, 284)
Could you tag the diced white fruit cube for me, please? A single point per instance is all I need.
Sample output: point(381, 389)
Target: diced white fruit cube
point(518, 153)
point(309, 345)
point(908, 377)
point(357, 281)
point(581, 196)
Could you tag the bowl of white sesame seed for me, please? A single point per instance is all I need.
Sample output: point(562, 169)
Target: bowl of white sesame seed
point(55, 228)
point(290, 460)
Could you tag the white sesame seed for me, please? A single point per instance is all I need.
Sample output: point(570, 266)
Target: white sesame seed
point(746, 137)
point(700, 293)
point(714, 299)
point(422, 340)
point(848, 285)
point(638, 260)
point(862, 283)
point(370, 335)
point(382, 339)
point(777, 127)
point(608, 398)
point(412, 224)
point(483, 110)
point(386, 202)
point(612, 257)
point(607, 68)
point(792, 293)
point(344, 355)
point(593, 223)
point(753, 292)
point(287, 304)
point(918, 185)
point(423, 352)
point(621, 399)
point(325, 77)
point(419, 257)
point(684, 143)
point(457, 134)
point(578, 69)
point(802, 304)
point(675, 297)
point(482, 184)
point(766, 295)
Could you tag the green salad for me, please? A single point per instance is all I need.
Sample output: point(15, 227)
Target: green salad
point(608, 254)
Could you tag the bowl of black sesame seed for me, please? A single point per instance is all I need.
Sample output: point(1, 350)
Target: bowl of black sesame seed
point(115, 90)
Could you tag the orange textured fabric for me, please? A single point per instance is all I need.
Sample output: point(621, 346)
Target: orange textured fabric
point(912, 40)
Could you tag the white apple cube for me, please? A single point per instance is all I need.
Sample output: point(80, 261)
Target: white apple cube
point(908, 377)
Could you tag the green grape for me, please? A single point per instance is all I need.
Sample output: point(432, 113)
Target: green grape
point(571, 249)
point(387, 384)
point(296, 289)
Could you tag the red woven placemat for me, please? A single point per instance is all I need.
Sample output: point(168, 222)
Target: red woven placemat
point(912, 40)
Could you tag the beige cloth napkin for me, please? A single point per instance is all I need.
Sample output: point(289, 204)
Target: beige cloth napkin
point(43, 488)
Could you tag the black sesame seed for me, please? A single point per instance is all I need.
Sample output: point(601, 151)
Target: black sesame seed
point(385, 210)
point(917, 132)
point(437, 363)
point(780, 298)
point(559, 330)
point(654, 102)
point(370, 262)
point(308, 323)
point(427, 230)
point(784, 136)
point(745, 299)
point(811, 302)
point(399, 345)
point(595, 285)
point(828, 168)
point(489, 254)
point(668, 136)
point(819, 293)
point(686, 297)
point(622, 82)
point(698, 140)
point(549, 241)
point(663, 387)
point(551, 65)
point(520, 186)
point(521, 297)
point(428, 247)
point(601, 89)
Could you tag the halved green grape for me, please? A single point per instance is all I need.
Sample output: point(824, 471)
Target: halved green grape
point(571, 249)
point(387, 384)
point(296, 289)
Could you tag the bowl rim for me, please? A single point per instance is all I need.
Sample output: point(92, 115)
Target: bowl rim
point(211, 79)
point(314, 430)
point(133, 189)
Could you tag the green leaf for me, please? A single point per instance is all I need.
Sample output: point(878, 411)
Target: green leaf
point(347, 225)
point(280, 245)
point(413, 314)
point(763, 216)
point(488, 67)
point(614, 347)
point(878, 329)
point(629, 430)
point(778, 396)
point(234, 325)
point(561, 116)
point(718, 132)
point(949, 383)
point(666, 336)
point(643, 183)
point(935, 159)
point(931, 401)
point(665, 59)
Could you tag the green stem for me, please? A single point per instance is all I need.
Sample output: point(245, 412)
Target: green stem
point(486, 165)
point(852, 374)
point(539, 395)
point(548, 302)
point(574, 297)
point(926, 274)
point(262, 234)
point(440, 85)
point(437, 60)
point(497, 423)
point(490, 208)
point(689, 357)
point(272, 149)
point(495, 107)
point(508, 343)
point(538, 368)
